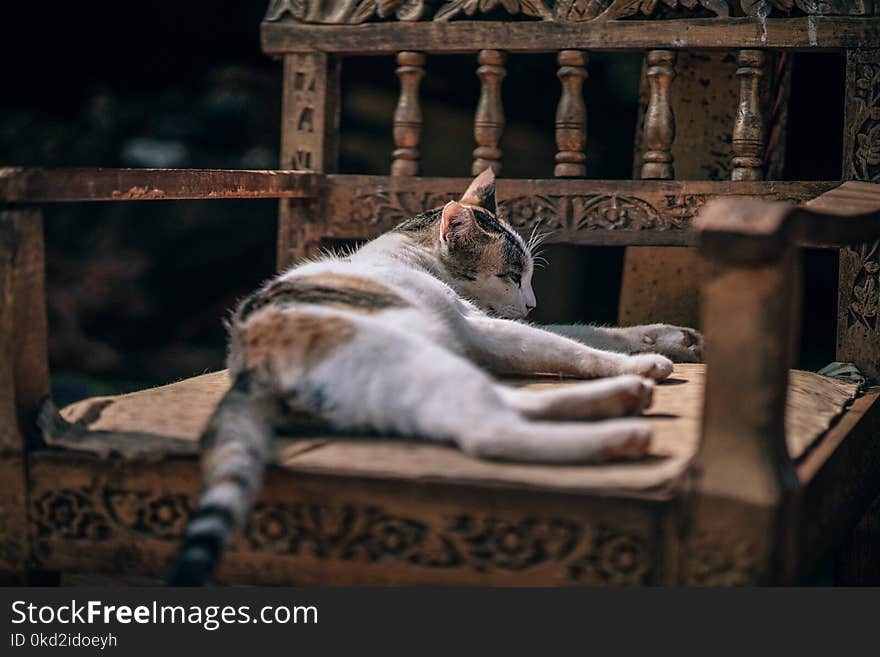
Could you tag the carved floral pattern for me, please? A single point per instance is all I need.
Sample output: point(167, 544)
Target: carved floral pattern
point(547, 212)
point(719, 560)
point(579, 553)
point(358, 11)
point(524, 212)
point(387, 209)
point(865, 299)
point(866, 112)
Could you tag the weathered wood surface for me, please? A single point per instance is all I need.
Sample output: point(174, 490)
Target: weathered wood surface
point(24, 377)
point(30, 339)
point(806, 33)
point(858, 326)
point(571, 211)
point(310, 112)
point(23, 185)
point(840, 478)
point(177, 414)
point(748, 127)
point(749, 314)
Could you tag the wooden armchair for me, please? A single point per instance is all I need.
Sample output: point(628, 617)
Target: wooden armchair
point(757, 471)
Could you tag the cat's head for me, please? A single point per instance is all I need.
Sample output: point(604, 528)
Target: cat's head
point(489, 262)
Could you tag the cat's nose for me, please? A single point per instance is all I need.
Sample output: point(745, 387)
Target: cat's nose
point(529, 308)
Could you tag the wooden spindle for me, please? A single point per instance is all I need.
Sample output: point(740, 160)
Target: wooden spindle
point(571, 115)
point(489, 119)
point(748, 128)
point(408, 114)
point(659, 118)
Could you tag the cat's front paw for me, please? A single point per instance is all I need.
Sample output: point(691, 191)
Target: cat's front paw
point(651, 366)
point(681, 344)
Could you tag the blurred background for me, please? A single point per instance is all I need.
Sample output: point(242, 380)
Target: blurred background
point(137, 292)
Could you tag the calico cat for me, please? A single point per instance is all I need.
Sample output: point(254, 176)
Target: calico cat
point(397, 338)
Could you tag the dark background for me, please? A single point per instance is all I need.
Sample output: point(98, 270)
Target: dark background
point(137, 292)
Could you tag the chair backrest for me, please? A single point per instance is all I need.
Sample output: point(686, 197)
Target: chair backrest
point(312, 37)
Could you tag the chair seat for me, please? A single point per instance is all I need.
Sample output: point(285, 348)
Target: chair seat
point(181, 410)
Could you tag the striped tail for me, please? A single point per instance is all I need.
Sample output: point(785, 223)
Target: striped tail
point(235, 449)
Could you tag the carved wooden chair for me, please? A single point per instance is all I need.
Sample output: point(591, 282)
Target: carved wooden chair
point(757, 471)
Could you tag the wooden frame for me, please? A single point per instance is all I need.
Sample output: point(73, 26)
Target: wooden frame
point(743, 514)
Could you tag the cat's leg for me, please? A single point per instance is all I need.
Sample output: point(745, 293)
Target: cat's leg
point(509, 347)
point(391, 382)
point(681, 344)
point(605, 398)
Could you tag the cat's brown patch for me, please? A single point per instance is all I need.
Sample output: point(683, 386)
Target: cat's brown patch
point(281, 340)
point(336, 290)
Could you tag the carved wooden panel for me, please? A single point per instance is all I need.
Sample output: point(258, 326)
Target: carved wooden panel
point(858, 333)
point(332, 530)
point(574, 211)
point(359, 11)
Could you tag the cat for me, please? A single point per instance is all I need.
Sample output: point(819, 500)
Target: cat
point(397, 338)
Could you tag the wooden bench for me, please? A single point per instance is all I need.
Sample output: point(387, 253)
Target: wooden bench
point(757, 471)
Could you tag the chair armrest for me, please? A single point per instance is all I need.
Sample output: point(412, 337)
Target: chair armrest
point(19, 185)
point(746, 484)
point(750, 230)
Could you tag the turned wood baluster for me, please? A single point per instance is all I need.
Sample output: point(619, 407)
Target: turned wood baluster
point(408, 114)
point(571, 115)
point(659, 119)
point(489, 119)
point(748, 129)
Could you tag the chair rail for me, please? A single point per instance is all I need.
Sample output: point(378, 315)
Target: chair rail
point(804, 33)
point(34, 185)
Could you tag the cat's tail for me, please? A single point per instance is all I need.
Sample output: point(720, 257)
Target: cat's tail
point(235, 449)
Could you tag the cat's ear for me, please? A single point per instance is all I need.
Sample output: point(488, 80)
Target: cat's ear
point(482, 191)
point(458, 225)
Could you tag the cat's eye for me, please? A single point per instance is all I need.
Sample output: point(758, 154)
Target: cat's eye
point(516, 279)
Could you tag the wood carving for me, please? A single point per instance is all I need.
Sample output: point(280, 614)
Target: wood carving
point(453, 8)
point(659, 119)
point(387, 209)
point(547, 212)
point(489, 118)
point(858, 327)
point(526, 212)
point(864, 260)
point(714, 559)
point(748, 128)
point(865, 161)
point(571, 116)
point(351, 12)
point(352, 532)
point(408, 114)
